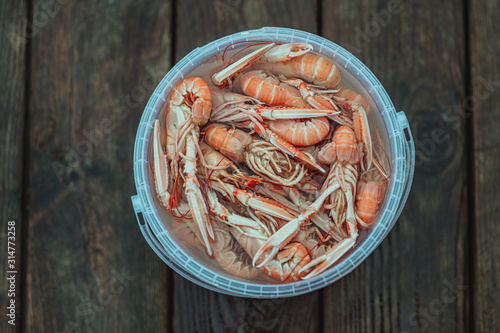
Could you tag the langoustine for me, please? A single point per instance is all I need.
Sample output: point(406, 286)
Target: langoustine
point(294, 99)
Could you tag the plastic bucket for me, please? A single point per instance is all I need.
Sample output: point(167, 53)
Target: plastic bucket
point(391, 126)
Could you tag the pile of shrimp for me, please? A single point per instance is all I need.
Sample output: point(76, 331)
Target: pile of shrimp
point(268, 166)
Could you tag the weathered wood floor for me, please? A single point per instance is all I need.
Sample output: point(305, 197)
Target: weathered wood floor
point(72, 82)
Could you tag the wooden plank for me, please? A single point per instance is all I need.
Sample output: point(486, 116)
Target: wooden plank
point(414, 281)
point(197, 309)
point(12, 111)
point(95, 64)
point(485, 50)
point(199, 23)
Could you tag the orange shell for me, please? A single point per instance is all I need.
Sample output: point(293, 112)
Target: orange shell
point(230, 142)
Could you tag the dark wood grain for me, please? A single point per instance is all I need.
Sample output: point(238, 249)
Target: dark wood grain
point(12, 111)
point(485, 80)
point(200, 22)
point(417, 52)
point(94, 66)
point(197, 309)
point(200, 310)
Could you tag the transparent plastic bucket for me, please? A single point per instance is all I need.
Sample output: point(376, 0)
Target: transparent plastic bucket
point(391, 126)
